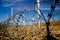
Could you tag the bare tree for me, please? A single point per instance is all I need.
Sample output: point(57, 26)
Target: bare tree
point(47, 22)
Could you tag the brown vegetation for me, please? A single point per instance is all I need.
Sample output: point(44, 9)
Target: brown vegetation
point(30, 32)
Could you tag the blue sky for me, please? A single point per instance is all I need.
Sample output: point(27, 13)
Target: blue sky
point(5, 7)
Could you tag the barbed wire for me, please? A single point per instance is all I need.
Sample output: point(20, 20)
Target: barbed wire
point(28, 8)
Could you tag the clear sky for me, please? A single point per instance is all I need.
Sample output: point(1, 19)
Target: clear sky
point(5, 7)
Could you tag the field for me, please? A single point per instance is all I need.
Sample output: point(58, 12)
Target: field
point(30, 32)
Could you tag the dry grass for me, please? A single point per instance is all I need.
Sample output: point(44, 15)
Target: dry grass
point(31, 32)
